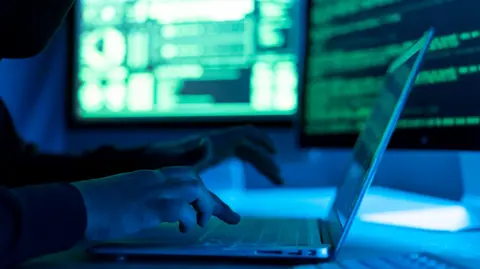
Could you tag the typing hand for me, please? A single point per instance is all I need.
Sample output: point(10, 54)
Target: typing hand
point(126, 203)
point(245, 142)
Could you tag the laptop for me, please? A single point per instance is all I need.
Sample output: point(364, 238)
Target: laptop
point(301, 240)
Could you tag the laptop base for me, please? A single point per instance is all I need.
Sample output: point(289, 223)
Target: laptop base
point(125, 251)
point(276, 238)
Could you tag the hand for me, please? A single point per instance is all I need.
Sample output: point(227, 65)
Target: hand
point(126, 203)
point(246, 143)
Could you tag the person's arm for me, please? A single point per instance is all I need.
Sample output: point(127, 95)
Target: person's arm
point(20, 159)
point(26, 26)
point(39, 220)
point(102, 162)
point(52, 168)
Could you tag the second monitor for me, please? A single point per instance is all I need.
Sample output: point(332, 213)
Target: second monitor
point(349, 46)
point(178, 60)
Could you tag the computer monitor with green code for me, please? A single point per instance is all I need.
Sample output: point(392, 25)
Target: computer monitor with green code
point(348, 47)
point(184, 62)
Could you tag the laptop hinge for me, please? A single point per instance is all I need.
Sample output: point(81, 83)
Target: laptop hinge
point(325, 234)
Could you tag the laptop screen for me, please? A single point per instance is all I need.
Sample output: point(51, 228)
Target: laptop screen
point(374, 137)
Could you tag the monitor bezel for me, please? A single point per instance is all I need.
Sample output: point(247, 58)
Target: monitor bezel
point(75, 122)
point(444, 138)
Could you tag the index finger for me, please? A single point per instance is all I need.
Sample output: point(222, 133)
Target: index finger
point(256, 136)
point(222, 211)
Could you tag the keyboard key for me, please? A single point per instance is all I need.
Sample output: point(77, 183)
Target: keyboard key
point(261, 232)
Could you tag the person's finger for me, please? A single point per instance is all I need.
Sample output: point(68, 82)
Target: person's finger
point(222, 211)
point(204, 207)
point(261, 160)
point(187, 218)
point(254, 135)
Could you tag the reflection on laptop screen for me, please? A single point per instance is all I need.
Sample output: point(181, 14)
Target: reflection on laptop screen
point(375, 128)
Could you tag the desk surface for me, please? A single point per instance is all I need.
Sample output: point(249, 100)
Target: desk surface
point(366, 238)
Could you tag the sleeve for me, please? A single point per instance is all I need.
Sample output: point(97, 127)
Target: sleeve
point(102, 162)
point(105, 161)
point(19, 158)
point(39, 220)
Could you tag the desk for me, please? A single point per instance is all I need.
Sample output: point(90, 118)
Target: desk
point(365, 239)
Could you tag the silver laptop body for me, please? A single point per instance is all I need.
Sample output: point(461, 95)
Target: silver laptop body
point(310, 239)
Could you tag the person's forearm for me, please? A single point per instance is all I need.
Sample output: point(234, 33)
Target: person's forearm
point(105, 161)
point(39, 220)
point(38, 168)
point(50, 168)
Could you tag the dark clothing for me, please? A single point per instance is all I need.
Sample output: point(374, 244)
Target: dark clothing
point(39, 220)
point(34, 220)
point(43, 219)
point(22, 165)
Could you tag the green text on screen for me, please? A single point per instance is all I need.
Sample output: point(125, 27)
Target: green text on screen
point(352, 42)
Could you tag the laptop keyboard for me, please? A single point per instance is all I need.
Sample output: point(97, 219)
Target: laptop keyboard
point(406, 261)
point(261, 232)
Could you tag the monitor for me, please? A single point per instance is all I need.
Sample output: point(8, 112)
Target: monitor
point(347, 49)
point(184, 62)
